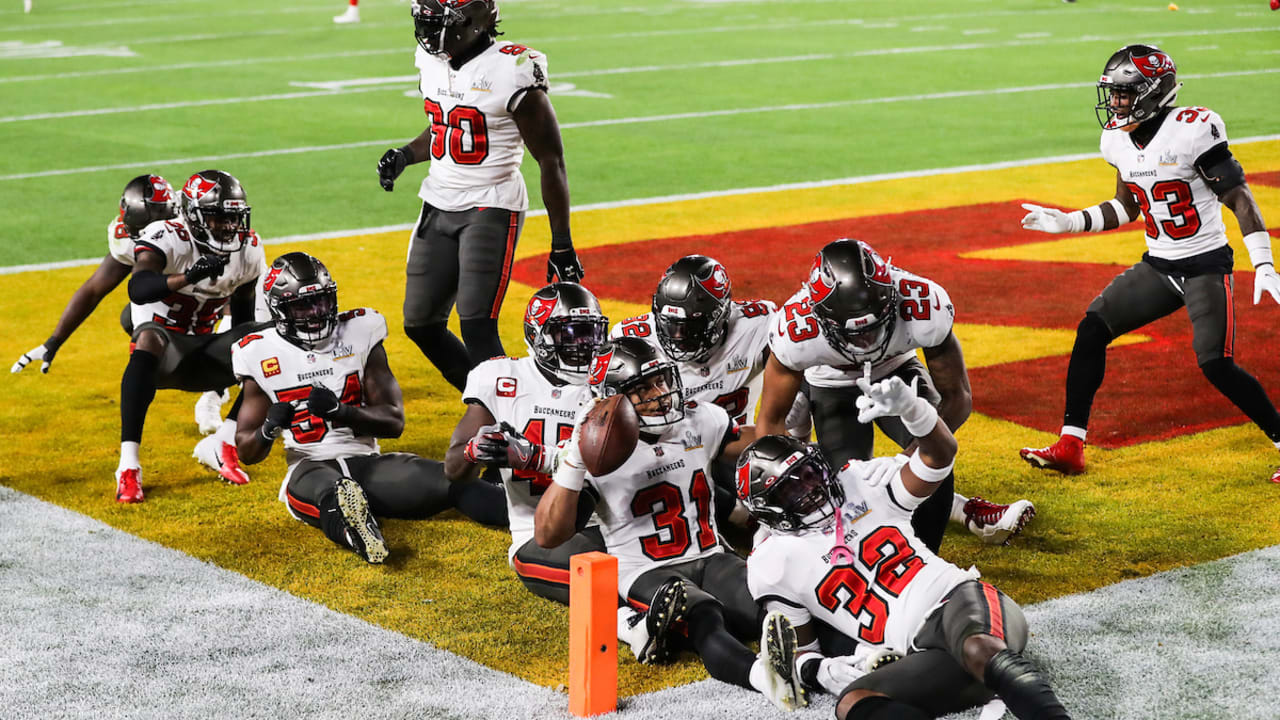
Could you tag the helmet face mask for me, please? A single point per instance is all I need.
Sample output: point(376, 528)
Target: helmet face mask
point(854, 300)
point(563, 325)
point(788, 484)
point(448, 28)
point(146, 199)
point(651, 381)
point(1137, 83)
point(691, 308)
point(303, 300)
point(216, 211)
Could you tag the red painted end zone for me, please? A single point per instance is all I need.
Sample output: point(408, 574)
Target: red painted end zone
point(1153, 390)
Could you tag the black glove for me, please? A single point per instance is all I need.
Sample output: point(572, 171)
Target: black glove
point(208, 266)
point(279, 417)
point(563, 266)
point(393, 162)
point(324, 404)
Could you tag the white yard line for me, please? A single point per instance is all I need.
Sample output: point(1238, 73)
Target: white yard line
point(857, 180)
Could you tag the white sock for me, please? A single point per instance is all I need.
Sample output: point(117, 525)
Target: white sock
point(1074, 431)
point(1277, 444)
point(128, 456)
point(759, 676)
point(632, 635)
point(227, 432)
point(957, 508)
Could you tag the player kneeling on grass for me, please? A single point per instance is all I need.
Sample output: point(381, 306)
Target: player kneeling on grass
point(657, 520)
point(320, 378)
point(841, 554)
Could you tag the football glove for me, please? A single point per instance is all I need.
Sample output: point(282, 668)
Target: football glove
point(44, 353)
point(892, 397)
point(563, 265)
point(323, 403)
point(208, 266)
point(393, 162)
point(279, 417)
point(882, 470)
point(489, 445)
point(1265, 279)
point(835, 673)
point(1051, 220)
point(524, 454)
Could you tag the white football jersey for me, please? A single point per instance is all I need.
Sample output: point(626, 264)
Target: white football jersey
point(925, 317)
point(657, 509)
point(119, 244)
point(728, 377)
point(515, 391)
point(476, 147)
point(1182, 214)
point(195, 309)
point(286, 372)
point(892, 585)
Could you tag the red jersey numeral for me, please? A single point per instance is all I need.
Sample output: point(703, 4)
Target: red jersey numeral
point(665, 503)
point(308, 428)
point(538, 482)
point(915, 299)
point(1185, 221)
point(800, 323)
point(462, 132)
point(887, 556)
point(753, 309)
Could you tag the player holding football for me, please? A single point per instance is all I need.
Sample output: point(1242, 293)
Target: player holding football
point(483, 100)
point(855, 310)
point(320, 378)
point(657, 519)
point(184, 274)
point(841, 554)
point(146, 199)
point(1173, 166)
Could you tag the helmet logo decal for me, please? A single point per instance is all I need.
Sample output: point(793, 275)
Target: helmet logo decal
point(539, 311)
point(600, 368)
point(821, 283)
point(272, 274)
point(1154, 64)
point(717, 283)
point(160, 190)
point(879, 268)
point(198, 186)
point(744, 481)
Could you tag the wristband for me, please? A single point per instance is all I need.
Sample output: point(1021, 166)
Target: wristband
point(926, 473)
point(570, 477)
point(263, 432)
point(53, 343)
point(561, 240)
point(920, 419)
point(1259, 247)
point(409, 157)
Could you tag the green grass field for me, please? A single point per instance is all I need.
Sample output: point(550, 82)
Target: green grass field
point(667, 98)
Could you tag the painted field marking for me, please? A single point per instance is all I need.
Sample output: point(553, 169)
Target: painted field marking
point(19, 50)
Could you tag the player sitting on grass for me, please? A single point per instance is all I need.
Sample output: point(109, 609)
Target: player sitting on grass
point(321, 379)
point(841, 554)
point(657, 519)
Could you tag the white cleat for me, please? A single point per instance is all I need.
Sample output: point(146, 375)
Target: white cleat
point(222, 457)
point(997, 524)
point(209, 411)
point(26, 6)
point(352, 15)
point(363, 533)
point(778, 656)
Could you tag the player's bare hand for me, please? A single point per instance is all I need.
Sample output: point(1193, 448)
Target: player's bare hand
point(1265, 280)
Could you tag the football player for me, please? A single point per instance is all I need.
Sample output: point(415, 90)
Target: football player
point(657, 519)
point(146, 199)
point(1174, 167)
point(320, 378)
point(720, 346)
point(856, 310)
point(841, 554)
point(483, 100)
point(184, 274)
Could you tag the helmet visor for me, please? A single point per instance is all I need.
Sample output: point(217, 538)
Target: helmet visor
point(429, 26)
point(311, 317)
point(575, 339)
point(803, 493)
point(228, 225)
point(683, 338)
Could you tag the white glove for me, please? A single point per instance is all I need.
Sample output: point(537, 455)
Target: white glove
point(884, 469)
point(835, 674)
point(1051, 220)
point(42, 353)
point(1265, 279)
point(892, 397)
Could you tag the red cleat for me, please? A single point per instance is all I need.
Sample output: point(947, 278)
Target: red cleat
point(129, 485)
point(231, 470)
point(1275, 476)
point(1065, 456)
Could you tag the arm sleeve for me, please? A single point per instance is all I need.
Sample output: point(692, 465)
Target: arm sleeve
point(147, 286)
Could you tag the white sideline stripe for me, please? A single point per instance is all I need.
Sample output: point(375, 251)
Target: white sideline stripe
point(256, 62)
point(98, 21)
point(634, 202)
point(590, 123)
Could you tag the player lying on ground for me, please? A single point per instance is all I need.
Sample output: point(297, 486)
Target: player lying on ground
point(656, 517)
point(146, 199)
point(842, 562)
point(321, 379)
point(1173, 166)
point(856, 309)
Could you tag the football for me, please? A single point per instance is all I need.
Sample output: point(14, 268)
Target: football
point(608, 435)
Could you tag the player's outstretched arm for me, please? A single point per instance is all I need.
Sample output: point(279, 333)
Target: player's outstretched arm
point(555, 519)
point(1256, 240)
point(781, 384)
point(1107, 216)
point(951, 379)
point(382, 415)
point(540, 130)
point(935, 451)
point(83, 302)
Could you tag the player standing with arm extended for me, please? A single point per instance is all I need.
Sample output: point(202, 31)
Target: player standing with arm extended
point(1173, 165)
point(484, 100)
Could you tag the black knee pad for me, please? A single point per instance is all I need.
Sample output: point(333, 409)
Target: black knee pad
point(481, 338)
point(1022, 687)
point(879, 707)
point(1093, 331)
